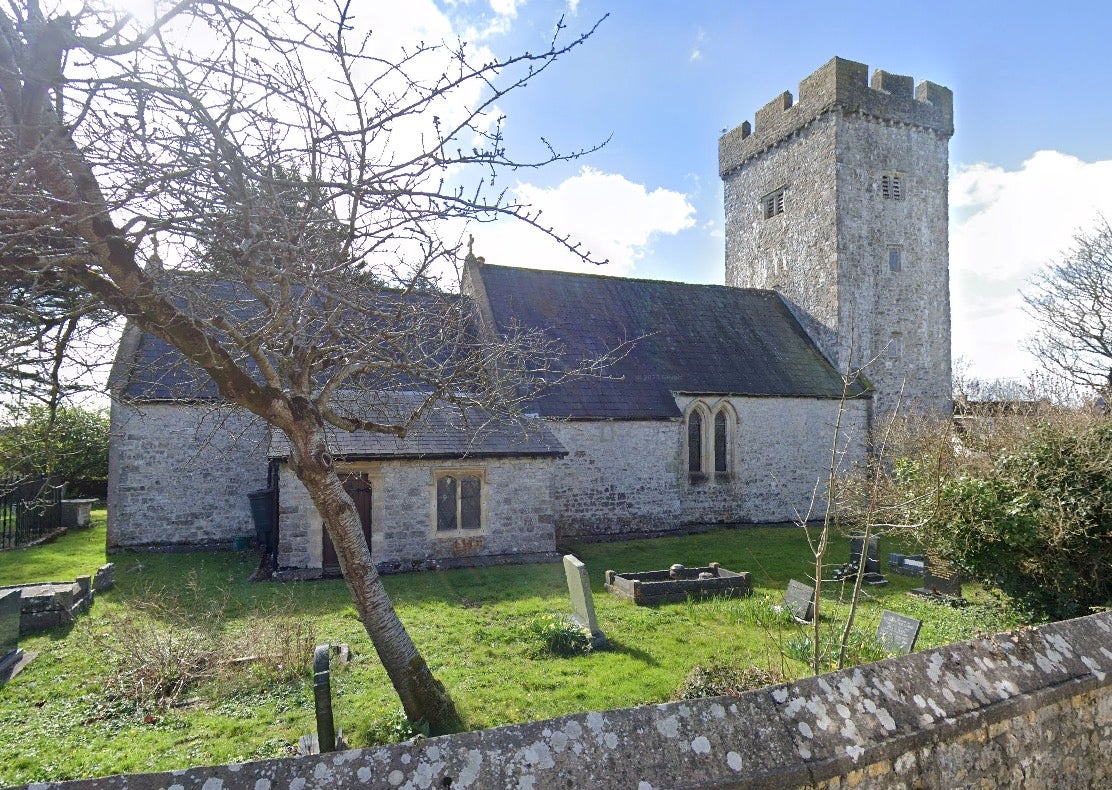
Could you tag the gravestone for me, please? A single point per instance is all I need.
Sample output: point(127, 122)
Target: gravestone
point(800, 601)
point(906, 564)
point(582, 602)
point(10, 654)
point(940, 578)
point(327, 738)
point(322, 698)
point(897, 633)
point(872, 557)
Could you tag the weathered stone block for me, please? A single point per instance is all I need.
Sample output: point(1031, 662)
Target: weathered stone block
point(105, 578)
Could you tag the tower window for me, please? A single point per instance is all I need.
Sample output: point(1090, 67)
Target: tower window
point(773, 203)
point(891, 186)
point(895, 259)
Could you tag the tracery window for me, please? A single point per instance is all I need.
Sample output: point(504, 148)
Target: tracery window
point(710, 433)
point(695, 443)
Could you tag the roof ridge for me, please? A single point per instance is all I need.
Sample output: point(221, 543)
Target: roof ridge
point(731, 288)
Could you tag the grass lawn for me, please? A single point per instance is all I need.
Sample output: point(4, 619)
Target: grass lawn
point(77, 553)
point(66, 716)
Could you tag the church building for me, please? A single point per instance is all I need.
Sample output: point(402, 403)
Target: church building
point(835, 312)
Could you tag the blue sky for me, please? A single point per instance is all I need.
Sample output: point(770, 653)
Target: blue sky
point(1031, 157)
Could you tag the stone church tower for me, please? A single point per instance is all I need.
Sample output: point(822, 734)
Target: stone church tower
point(839, 202)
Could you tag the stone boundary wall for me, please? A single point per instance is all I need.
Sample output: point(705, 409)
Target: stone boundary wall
point(1031, 708)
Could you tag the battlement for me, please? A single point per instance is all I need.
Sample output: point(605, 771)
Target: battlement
point(839, 84)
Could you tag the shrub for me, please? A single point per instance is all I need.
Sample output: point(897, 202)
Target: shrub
point(159, 648)
point(725, 680)
point(558, 635)
point(1038, 523)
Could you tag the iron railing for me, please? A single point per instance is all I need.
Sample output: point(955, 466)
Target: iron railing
point(30, 508)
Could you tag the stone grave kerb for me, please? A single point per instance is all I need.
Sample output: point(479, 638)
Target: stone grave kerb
point(582, 602)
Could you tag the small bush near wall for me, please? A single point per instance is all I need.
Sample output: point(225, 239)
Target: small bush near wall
point(725, 680)
point(558, 635)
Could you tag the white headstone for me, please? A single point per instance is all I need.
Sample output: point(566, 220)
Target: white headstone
point(582, 602)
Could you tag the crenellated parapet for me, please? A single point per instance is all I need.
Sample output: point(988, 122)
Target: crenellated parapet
point(841, 85)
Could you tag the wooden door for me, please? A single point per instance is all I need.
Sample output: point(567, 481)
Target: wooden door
point(358, 488)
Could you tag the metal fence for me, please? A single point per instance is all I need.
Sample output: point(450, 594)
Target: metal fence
point(30, 507)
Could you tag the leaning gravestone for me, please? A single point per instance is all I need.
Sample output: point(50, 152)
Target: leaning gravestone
point(10, 654)
point(898, 633)
point(940, 578)
point(800, 601)
point(582, 602)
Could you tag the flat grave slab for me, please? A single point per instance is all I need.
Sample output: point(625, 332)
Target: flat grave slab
point(646, 588)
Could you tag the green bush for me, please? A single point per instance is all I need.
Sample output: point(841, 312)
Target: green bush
point(72, 443)
point(558, 635)
point(1037, 524)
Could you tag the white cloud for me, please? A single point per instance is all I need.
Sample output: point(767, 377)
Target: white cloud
point(613, 218)
point(1006, 225)
point(697, 50)
point(506, 7)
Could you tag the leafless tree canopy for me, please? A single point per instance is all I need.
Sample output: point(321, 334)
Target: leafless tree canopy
point(1072, 301)
point(277, 193)
point(276, 147)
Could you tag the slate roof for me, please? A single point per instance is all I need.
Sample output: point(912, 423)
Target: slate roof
point(697, 339)
point(446, 432)
point(692, 339)
point(148, 368)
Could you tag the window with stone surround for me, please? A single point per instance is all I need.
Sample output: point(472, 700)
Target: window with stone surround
point(695, 443)
point(892, 186)
point(458, 500)
point(710, 432)
point(772, 204)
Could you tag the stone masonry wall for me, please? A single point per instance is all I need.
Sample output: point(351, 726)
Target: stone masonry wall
point(517, 522)
point(180, 474)
point(903, 317)
point(1029, 709)
point(795, 253)
point(619, 477)
point(828, 252)
point(631, 476)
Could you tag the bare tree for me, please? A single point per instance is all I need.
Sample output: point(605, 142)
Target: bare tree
point(296, 174)
point(1072, 301)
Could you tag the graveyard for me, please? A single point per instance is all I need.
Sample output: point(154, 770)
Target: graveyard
point(68, 713)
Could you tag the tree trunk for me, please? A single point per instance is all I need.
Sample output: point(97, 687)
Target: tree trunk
point(423, 697)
